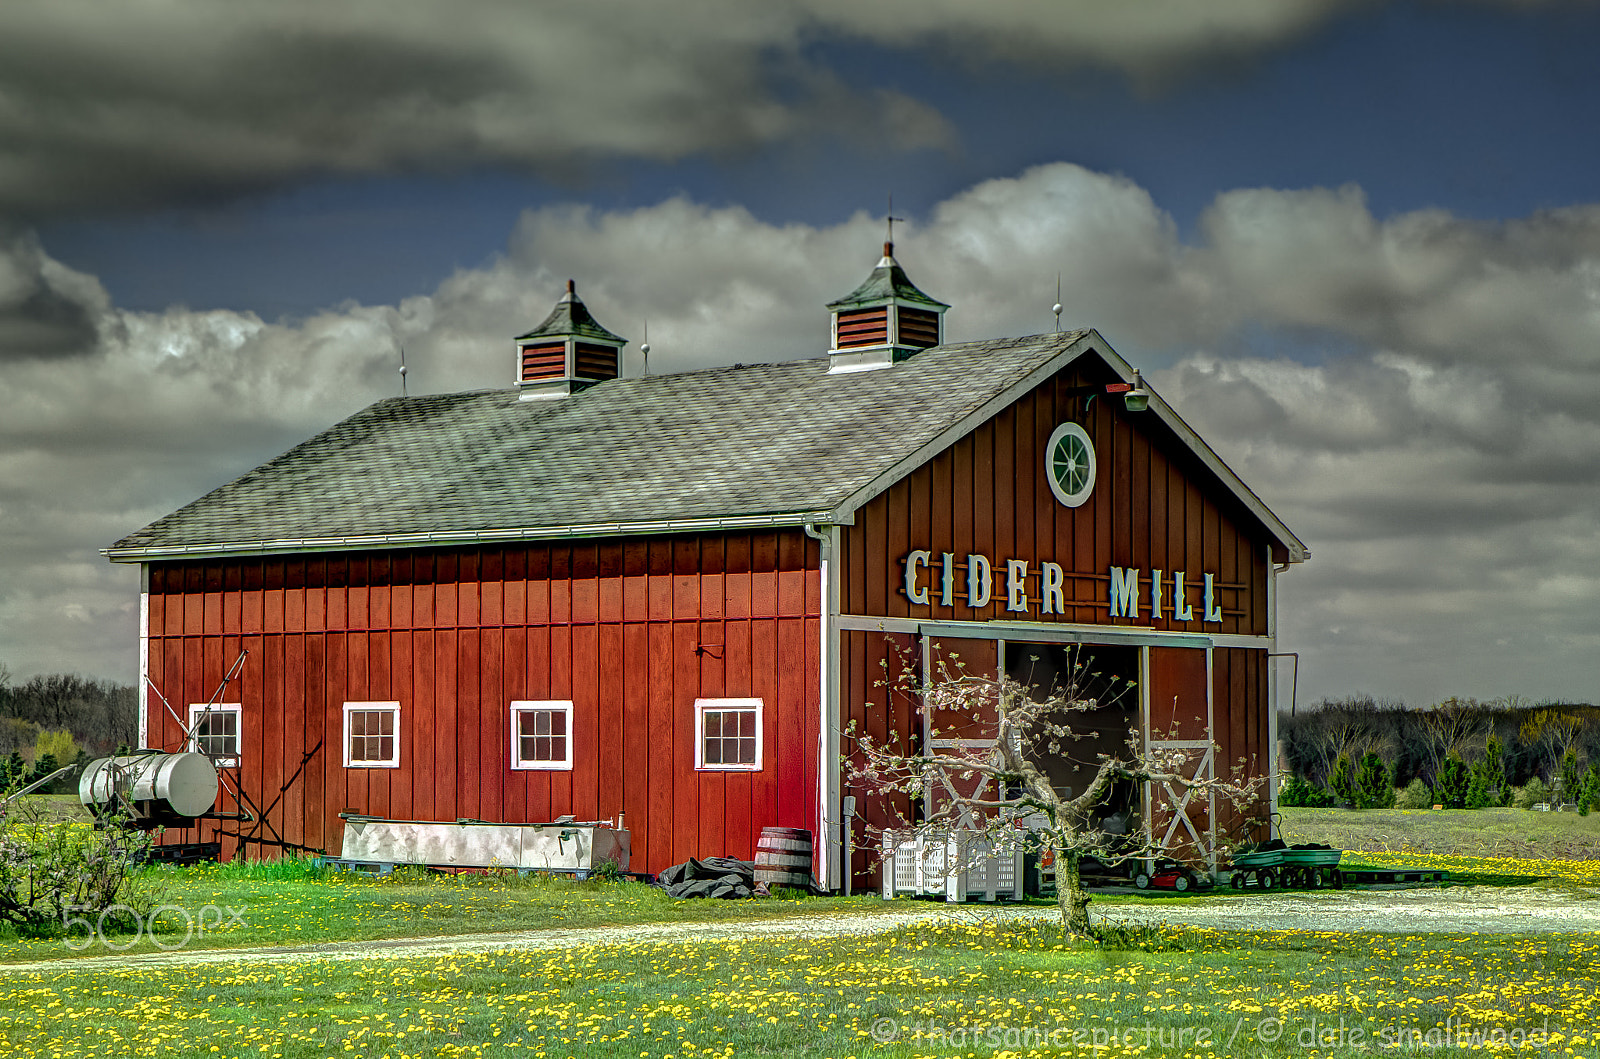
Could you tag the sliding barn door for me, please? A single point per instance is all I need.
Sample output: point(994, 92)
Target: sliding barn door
point(1178, 704)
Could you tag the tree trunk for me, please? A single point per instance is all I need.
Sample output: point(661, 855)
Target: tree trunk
point(1070, 894)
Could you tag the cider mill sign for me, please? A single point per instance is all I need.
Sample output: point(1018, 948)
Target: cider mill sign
point(1070, 468)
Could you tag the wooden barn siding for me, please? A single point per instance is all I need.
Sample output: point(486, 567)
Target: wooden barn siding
point(987, 494)
point(455, 637)
point(1241, 710)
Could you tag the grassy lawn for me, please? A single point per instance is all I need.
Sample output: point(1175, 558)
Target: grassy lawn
point(290, 903)
point(971, 988)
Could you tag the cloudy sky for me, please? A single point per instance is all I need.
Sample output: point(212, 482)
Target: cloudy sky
point(1356, 244)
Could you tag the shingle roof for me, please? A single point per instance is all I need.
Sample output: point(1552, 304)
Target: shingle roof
point(766, 440)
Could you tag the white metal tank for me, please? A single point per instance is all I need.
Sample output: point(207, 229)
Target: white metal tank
point(160, 788)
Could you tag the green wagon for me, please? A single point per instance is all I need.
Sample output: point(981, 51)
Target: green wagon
point(1276, 864)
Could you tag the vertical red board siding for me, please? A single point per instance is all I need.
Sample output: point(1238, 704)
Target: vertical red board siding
point(1177, 693)
point(1154, 507)
point(1239, 686)
point(632, 632)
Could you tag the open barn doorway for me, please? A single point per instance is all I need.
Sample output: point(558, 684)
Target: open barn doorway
point(1109, 675)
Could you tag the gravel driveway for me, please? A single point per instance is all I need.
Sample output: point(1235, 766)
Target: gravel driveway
point(1411, 910)
point(1497, 910)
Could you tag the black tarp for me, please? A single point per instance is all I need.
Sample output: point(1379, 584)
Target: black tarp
point(722, 877)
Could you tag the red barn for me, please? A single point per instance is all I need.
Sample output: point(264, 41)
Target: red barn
point(665, 595)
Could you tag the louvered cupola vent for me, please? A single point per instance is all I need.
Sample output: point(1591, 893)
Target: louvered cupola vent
point(883, 321)
point(567, 352)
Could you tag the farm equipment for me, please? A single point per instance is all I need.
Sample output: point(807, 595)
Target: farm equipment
point(1275, 864)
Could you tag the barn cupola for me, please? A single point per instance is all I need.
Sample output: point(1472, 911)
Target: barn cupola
point(883, 321)
point(567, 352)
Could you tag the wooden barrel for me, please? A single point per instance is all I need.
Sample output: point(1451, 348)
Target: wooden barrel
point(783, 856)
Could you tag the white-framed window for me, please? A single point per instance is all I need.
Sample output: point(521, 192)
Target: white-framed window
point(214, 732)
point(372, 735)
point(541, 734)
point(727, 734)
point(1069, 464)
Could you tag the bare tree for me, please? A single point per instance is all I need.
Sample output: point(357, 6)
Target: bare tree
point(995, 778)
point(1453, 727)
point(1550, 733)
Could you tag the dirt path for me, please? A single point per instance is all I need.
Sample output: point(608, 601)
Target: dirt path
point(1498, 910)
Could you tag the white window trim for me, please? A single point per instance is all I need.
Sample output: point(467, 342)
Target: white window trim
point(1080, 497)
point(522, 706)
point(700, 708)
point(198, 708)
point(352, 707)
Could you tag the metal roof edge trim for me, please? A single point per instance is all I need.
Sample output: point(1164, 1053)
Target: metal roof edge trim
point(377, 542)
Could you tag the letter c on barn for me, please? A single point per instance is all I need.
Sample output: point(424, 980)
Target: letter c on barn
point(914, 592)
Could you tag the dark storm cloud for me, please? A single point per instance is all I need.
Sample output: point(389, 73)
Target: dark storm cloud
point(110, 104)
point(46, 310)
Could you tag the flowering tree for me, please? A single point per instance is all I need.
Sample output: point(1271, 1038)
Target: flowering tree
point(49, 868)
point(993, 777)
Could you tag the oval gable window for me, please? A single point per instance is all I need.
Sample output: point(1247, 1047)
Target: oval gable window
point(1069, 464)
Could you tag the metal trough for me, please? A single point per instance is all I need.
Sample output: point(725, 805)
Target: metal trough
point(572, 847)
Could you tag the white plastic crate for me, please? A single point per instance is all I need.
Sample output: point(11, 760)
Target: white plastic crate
point(958, 865)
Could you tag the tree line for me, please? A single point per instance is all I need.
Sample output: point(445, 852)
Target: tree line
point(1459, 753)
point(52, 720)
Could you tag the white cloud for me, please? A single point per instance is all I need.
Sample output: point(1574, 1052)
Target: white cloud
point(1442, 461)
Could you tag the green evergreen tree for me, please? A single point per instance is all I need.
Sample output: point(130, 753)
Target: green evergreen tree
point(1374, 784)
point(1342, 781)
point(1451, 784)
point(1589, 795)
point(1486, 787)
point(46, 764)
point(1571, 777)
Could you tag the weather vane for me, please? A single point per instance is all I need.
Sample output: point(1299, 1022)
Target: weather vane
point(891, 218)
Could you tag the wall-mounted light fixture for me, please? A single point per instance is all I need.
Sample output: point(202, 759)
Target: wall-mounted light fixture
point(1135, 394)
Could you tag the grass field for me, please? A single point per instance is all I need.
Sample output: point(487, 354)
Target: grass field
point(971, 986)
point(1451, 832)
point(968, 989)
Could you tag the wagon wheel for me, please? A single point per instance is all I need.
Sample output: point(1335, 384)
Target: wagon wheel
point(1237, 882)
point(1265, 879)
point(1337, 879)
point(1316, 878)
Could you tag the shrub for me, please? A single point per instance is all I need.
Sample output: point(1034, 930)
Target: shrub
point(1341, 781)
point(1417, 795)
point(1531, 794)
point(1451, 783)
point(1305, 794)
point(49, 869)
point(1374, 786)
